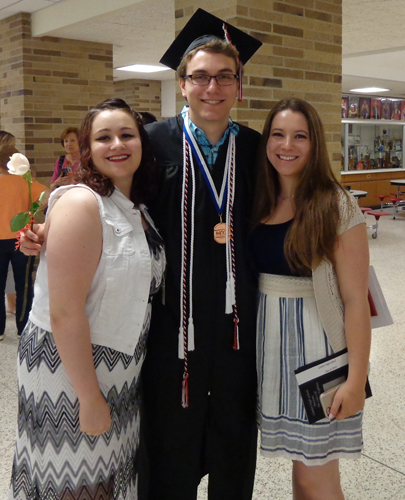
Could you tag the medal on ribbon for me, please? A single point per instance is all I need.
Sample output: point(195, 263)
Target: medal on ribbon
point(221, 230)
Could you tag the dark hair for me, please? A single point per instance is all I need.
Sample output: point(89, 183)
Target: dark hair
point(215, 46)
point(67, 131)
point(6, 138)
point(147, 117)
point(314, 231)
point(144, 183)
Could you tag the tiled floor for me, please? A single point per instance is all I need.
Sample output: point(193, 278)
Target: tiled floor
point(380, 473)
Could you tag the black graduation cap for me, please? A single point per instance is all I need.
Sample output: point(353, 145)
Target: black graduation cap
point(203, 27)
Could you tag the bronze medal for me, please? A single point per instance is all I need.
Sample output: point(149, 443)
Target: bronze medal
point(220, 233)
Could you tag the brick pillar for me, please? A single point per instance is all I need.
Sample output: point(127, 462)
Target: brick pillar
point(301, 57)
point(142, 95)
point(47, 85)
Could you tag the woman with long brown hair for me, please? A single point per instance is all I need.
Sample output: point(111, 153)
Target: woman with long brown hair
point(309, 244)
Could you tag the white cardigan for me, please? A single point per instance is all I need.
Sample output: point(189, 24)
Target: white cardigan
point(326, 289)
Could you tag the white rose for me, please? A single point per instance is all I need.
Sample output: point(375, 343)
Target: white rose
point(18, 164)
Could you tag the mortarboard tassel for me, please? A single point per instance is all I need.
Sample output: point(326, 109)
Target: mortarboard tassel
point(240, 82)
point(228, 39)
point(226, 34)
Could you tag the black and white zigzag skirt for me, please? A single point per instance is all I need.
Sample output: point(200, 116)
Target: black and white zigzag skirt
point(53, 459)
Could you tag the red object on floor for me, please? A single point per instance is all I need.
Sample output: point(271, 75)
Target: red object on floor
point(381, 197)
point(366, 209)
point(395, 204)
point(377, 214)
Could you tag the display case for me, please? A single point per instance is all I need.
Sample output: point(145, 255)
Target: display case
point(372, 144)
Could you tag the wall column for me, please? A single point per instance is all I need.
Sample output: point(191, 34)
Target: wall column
point(301, 57)
point(141, 95)
point(48, 84)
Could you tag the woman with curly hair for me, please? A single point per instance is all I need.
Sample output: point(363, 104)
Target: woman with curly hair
point(309, 244)
point(82, 350)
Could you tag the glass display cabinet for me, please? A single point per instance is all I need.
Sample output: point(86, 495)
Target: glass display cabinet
point(372, 144)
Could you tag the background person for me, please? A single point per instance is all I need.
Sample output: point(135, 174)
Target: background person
point(14, 196)
point(68, 164)
point(8, 139)
point(310, 246)
point(81, 353)
point(11, 297)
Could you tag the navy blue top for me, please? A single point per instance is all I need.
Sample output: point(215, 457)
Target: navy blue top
point(266, 245)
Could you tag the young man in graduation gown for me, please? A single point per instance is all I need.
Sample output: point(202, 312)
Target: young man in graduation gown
point(199, 375)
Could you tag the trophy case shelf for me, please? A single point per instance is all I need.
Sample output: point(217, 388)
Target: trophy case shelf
point(372, 144)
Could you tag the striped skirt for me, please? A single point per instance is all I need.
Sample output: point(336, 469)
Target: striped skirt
point(290, 335)
point(54, 459)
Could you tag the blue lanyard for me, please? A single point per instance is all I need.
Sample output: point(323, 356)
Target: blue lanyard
point(219, 200)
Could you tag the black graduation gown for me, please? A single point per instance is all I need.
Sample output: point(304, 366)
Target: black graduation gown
point(216, 434)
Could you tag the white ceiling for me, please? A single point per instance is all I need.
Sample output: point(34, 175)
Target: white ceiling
point(374, 45)
point(141, 30)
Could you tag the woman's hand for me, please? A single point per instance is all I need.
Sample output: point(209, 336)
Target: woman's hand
point(31, 241)
point(348, 401)
point(94, 415)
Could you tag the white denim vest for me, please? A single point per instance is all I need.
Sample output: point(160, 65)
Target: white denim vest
point(119, 293)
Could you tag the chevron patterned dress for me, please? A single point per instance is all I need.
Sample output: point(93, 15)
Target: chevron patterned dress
point(53, 459)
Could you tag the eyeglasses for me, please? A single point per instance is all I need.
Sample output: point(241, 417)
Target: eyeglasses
point(203, 80)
